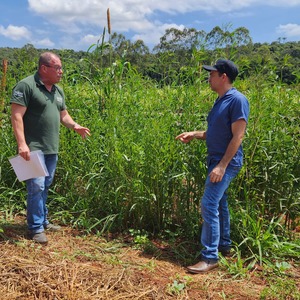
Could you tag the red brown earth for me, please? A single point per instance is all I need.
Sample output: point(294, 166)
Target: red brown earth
point(74, 266)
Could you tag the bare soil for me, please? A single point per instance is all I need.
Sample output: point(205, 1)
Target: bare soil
point(74, 266)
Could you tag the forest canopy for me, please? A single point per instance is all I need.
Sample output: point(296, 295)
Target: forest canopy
point(180, 49)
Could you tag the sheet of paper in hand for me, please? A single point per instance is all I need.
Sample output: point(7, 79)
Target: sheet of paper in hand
point(27, 169)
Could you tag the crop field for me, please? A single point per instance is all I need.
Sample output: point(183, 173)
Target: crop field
point(128, 197)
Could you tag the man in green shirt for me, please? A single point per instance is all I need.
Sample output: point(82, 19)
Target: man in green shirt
point(37, 109)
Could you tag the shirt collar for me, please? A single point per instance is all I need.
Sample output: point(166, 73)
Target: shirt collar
point(229, 92)
point(39, 81)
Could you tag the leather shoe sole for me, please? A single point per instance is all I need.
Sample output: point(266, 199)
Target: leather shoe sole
point(202, 267)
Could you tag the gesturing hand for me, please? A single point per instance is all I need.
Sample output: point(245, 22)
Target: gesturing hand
point(83, 131)
point(185, 137)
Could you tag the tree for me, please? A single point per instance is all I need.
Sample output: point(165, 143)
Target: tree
point(181, 40)
point(119, 43)
point(225, 39)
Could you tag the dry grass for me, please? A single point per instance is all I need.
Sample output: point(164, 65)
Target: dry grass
point(73, 266)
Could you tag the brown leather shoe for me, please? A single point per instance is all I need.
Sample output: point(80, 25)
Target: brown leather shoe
point(202, 267)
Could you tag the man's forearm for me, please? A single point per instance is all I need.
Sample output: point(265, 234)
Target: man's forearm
point(18, 128)
point(230, 151)
point(67, 120)
point(200, 135)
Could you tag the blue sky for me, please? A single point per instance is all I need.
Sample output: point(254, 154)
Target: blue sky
point(77, 24)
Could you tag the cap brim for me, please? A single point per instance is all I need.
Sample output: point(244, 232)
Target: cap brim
point(209, 68)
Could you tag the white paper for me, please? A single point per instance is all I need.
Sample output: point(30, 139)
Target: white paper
point(27, 169)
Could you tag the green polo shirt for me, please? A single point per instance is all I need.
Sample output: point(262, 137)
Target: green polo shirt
point(42, 117)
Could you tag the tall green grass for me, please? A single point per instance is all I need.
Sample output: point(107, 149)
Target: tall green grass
point(132, 174)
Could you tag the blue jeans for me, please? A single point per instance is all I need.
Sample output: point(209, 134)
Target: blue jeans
point(37, 193)
point(215, 214)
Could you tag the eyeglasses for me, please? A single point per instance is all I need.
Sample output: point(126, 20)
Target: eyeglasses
point(57, 68)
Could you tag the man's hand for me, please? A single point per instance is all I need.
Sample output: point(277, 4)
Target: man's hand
point(24, 151)
point(186, 137)
point(83, 131)
point(216, 175)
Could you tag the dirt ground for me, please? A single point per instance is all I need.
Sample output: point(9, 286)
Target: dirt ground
point(75, 266)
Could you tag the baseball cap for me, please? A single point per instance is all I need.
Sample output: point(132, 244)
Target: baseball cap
point(224, 66)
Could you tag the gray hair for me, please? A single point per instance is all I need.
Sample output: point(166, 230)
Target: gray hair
point(46, 58)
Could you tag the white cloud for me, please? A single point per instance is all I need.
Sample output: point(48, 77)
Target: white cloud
point(156, 33)
point(282, 3)
point(134, 15)
point(127, 15)
point(89, 39)
point(15, 32)
point(44, 43)
point(82, 21)
point(69, 11)
point(89, 17)
point(289, 30)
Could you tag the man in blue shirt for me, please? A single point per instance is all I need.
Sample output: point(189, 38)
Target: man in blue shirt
point(227, 122)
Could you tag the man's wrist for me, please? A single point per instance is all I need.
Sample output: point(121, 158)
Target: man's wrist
point(200, 135)
point(196, 135)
